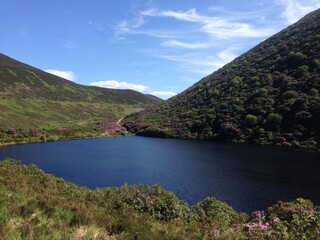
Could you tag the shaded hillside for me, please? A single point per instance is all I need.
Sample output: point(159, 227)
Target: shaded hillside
point(269, 95)
point(35, 205)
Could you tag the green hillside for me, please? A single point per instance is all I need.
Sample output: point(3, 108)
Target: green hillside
point(21, 81)
point(269, 95)
point(34, 205)
point(33, 99)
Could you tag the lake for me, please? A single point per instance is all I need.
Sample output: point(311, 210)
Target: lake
point(246, 177)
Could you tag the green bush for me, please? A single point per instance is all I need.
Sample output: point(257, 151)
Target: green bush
point(216, 213)
point(262, 92)
point(274, 120)
point(250, 120)
point(314, 92)
point(290, 94)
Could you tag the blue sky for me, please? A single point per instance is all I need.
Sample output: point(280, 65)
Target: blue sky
point(159, 46)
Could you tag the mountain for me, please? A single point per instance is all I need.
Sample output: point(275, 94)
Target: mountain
point(19, 80)
point(268, 95)
point(32, 98)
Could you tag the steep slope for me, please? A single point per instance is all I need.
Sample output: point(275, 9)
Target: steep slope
point(269, 95)
point(33, 99)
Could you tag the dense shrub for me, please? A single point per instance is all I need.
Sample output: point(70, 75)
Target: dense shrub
point(157, 202)
point(217, 214)
point(274, 120)
point(250, 120)
point(299, 219)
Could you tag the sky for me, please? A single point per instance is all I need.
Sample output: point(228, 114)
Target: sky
point(159, 47)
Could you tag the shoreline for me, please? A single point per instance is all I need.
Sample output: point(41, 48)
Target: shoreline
point(64, 139)
point(127, 133)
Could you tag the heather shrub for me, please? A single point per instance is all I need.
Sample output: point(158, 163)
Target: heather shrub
point(156, 201)
point(299, 219)
point(216, 213)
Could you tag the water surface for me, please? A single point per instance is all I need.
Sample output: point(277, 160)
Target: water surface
point(245, 176)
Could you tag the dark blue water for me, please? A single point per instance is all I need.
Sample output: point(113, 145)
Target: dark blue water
point(246, 177)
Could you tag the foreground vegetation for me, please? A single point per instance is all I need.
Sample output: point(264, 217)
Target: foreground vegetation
point(35, 205)
point(269, 95)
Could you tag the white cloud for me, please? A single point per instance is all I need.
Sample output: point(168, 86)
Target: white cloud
point(63, 74)
point(121, 29)
point(190, 15)
point(190, 59)
point(295, 9)
point(227, 55)
point(185, 45)
point(138, 21)
point(213, 31)
point(163, 94)
point(225, 27)
point(120, 85)
point(198, 63)
point(96, 26)
point(67, 44)
point(221, 28)
point(215, 37)
point(216, 26)
point(124, 28)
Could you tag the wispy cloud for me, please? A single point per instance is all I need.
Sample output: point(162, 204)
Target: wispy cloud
point(227, 55)
point(121, 29)
point(213, 37)
point(216, 33)
point(221, 27)
point(125, 28)
point(67, 44)
point(189, 16)
point(185, 44)
point(120, 85)
point(295, 9)
point(129, 27)
point(190, 59)
point(69, 75)
point(163, 94)
point(197, 62)
point(96, 26)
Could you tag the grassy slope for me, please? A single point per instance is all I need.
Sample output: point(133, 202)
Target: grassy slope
point(31, 98)
point(34, 205)
point(52, 114)
point(21, 81)
point(269, 95)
